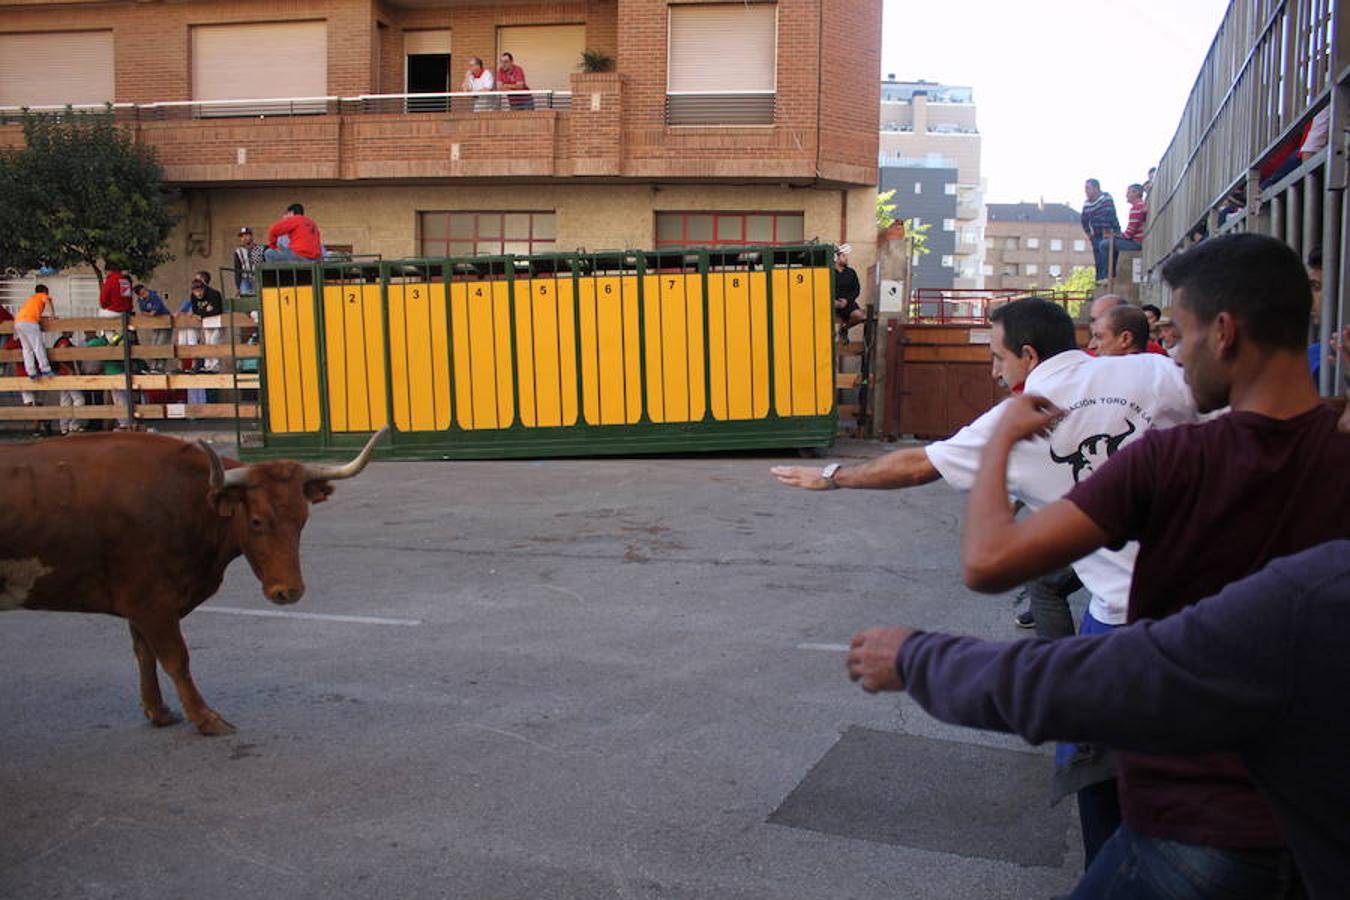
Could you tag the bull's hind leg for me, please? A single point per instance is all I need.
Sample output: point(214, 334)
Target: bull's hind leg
point(166, 640)
point(152, 701)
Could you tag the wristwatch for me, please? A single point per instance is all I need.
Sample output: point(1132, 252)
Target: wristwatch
point(828, 474)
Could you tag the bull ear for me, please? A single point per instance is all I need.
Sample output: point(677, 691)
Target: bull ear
point(227, 501)
point(317, 491)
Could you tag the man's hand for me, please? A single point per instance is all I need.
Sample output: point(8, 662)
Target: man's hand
point(807, 477)
point(872, 655)
point(840, 302)
point(1027, 415)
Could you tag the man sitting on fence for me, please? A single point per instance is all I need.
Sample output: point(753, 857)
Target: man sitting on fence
point(294, 238)
point(114, 297)
point(846, 291)
point(28, 329)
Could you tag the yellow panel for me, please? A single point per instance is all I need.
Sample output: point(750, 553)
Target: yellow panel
point(274, 352)
point(823, 306)
point(440, 357)
point(368, 322)
point(652, 325)
point(463, 360)
point(525, 356)
point(590, 351)
point(398, 358)
point(698, 381)
point(759, 343)
point(418, 326)
point(546, 365)
point(501, 320)
point(567, 350)
point(802, 296)
point(308, 321)
point(782, 345)
point(739, 379)
point(673, 320)
point(718, 361)
point(632, 363)
point(335, 347)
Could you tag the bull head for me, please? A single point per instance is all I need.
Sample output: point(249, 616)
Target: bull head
point(268, 505)
point(1091, 450)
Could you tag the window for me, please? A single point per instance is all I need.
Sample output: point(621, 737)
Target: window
point(987, 269)
point(1010, 243)
point(1079, 246)
point(721, 229)
point(949, 189)
point(918, 187)
point(948, 224)
point(948, 262)
point(1010, 271)
point(1030, 269)
point(245, 62)
point(1056, 270)
point(56, 68)
point(1056, 245)
point(1033, 243)
point(721, 64)
point(549, 54)
point(486, 233)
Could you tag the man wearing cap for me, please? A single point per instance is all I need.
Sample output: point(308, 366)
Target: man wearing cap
point(247, 256)
point(846, 291)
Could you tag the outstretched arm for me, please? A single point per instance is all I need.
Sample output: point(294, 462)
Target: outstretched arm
point(999, 552)
point(908, 467)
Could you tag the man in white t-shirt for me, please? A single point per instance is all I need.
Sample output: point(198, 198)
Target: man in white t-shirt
point(1110, 403)
point(480, 80)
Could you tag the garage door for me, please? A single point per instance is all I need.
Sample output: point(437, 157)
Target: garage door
point(56, 68)
point(257, 60)
point(549, 54)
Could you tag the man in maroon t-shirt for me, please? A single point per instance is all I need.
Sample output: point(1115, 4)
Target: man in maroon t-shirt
point(1209, 504)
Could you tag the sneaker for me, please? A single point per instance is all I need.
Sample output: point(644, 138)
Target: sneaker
point(1025, 619)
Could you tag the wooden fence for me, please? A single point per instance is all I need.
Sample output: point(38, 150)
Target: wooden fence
point(238, 343)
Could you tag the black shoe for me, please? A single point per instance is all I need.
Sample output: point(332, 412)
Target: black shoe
point(1025, 619)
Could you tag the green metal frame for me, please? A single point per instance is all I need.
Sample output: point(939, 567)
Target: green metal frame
point(518, 441)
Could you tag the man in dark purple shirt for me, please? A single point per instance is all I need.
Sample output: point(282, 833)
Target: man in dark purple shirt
point(1208, 504)
point(1261, 669)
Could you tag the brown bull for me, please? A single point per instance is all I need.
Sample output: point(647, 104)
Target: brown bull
point(143, 526)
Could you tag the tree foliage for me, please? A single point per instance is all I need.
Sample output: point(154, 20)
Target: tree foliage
point(82, 192)
point(884, 209)
point(917, 235)
point(1082, 278)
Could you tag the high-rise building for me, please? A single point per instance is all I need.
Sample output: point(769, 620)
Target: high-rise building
point(1032, 245)
point(926, 126)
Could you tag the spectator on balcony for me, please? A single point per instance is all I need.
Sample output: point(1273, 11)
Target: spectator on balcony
point(1122, 331)
point(479, 80)
point(294, 238)
point(1099, 222)
point(247, 256)
point(846, 291)
point(114, 297)
point(511, 77)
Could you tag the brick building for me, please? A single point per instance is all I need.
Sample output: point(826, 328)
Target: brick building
point(1032, 245)
point(719, 123)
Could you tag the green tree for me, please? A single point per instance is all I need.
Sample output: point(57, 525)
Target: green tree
point(917, 235)
point(83, 193)
point(884, 209)
point(1082, 278)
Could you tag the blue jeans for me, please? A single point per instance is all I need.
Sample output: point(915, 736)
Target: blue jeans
point(1134, 867)
point(1102, 247)
point(284, 253)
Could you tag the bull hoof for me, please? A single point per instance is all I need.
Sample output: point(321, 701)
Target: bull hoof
point(161, 717)
point(215, 726)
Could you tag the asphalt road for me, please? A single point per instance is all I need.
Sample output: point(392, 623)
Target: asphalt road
point(563, 679)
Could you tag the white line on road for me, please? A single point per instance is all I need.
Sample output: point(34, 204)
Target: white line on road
point(828, 648)
point(322, 617)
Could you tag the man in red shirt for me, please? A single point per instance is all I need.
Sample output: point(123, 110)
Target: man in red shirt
point(511, 77)
point(294, 238)
point(114, 298)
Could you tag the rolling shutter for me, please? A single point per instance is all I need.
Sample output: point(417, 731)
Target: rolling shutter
point(549, 54)
point(727, 47)
point(416, 43)
point(56, 68)
point(260, 61)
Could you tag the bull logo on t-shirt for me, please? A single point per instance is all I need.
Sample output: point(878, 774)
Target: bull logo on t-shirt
point(1093, 451)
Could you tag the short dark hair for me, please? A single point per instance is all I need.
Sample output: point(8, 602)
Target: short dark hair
point(1129, 318)
point(1150, 308)
point(1258, 279)
point(41, 289)
point(508, 56)
point(1094, 182)
point(1315, 258)
point(1136, 187)
point(296, 208)
point(204, 275)
point(1036, 322)
point(138, 288)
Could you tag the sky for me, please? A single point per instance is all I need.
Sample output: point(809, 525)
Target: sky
point(1065, 90)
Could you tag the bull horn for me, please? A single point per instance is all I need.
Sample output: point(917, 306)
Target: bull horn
point(351, 469)
point(221, 479)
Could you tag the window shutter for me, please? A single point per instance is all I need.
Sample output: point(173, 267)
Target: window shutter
point(727, 47)
point(549, 54)
point(431, 41)
point(260, 61)
point(56, 68)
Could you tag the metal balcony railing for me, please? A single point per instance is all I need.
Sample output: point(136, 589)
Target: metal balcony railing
point(720, 107)
point(365, 104)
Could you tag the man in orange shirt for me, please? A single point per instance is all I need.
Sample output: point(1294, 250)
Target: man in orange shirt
point(294, 238)
point(28, 329)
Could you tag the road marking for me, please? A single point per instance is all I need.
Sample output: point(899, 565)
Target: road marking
point(828, 648)
point(321, 617)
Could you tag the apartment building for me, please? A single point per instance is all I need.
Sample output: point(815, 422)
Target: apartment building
point(1032, 245)
point(718, 123)
point(926, 125)
point(928, 196)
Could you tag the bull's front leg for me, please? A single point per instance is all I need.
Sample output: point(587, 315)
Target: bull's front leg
point(166, 640)
point(152, 701)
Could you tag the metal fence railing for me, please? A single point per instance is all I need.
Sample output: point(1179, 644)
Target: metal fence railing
point(971, 306)
point(720, 107)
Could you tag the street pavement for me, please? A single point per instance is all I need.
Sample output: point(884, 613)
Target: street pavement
point(612, 678)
